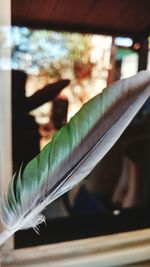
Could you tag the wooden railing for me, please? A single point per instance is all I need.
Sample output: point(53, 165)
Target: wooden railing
point(106, 251)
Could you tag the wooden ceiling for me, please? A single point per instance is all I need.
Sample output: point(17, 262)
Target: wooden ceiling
point(112, 17)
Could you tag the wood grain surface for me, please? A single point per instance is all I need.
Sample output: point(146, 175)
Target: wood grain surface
point(113, 250)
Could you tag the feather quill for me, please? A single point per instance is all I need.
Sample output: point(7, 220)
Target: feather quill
point(72, 154)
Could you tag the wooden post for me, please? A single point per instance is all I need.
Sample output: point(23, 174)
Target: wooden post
point(5, 98)
point(143, 55)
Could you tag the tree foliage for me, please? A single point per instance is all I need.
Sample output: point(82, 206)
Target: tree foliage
point(35, 50)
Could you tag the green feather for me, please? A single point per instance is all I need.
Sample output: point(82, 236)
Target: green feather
point(73, 152)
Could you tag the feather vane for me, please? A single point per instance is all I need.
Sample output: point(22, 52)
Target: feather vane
point(72, 154)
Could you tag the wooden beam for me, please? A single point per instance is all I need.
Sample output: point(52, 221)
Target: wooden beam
point(106, 251)
point(81, 28)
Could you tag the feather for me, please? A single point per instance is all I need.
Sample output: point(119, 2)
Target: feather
point(72, 154)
